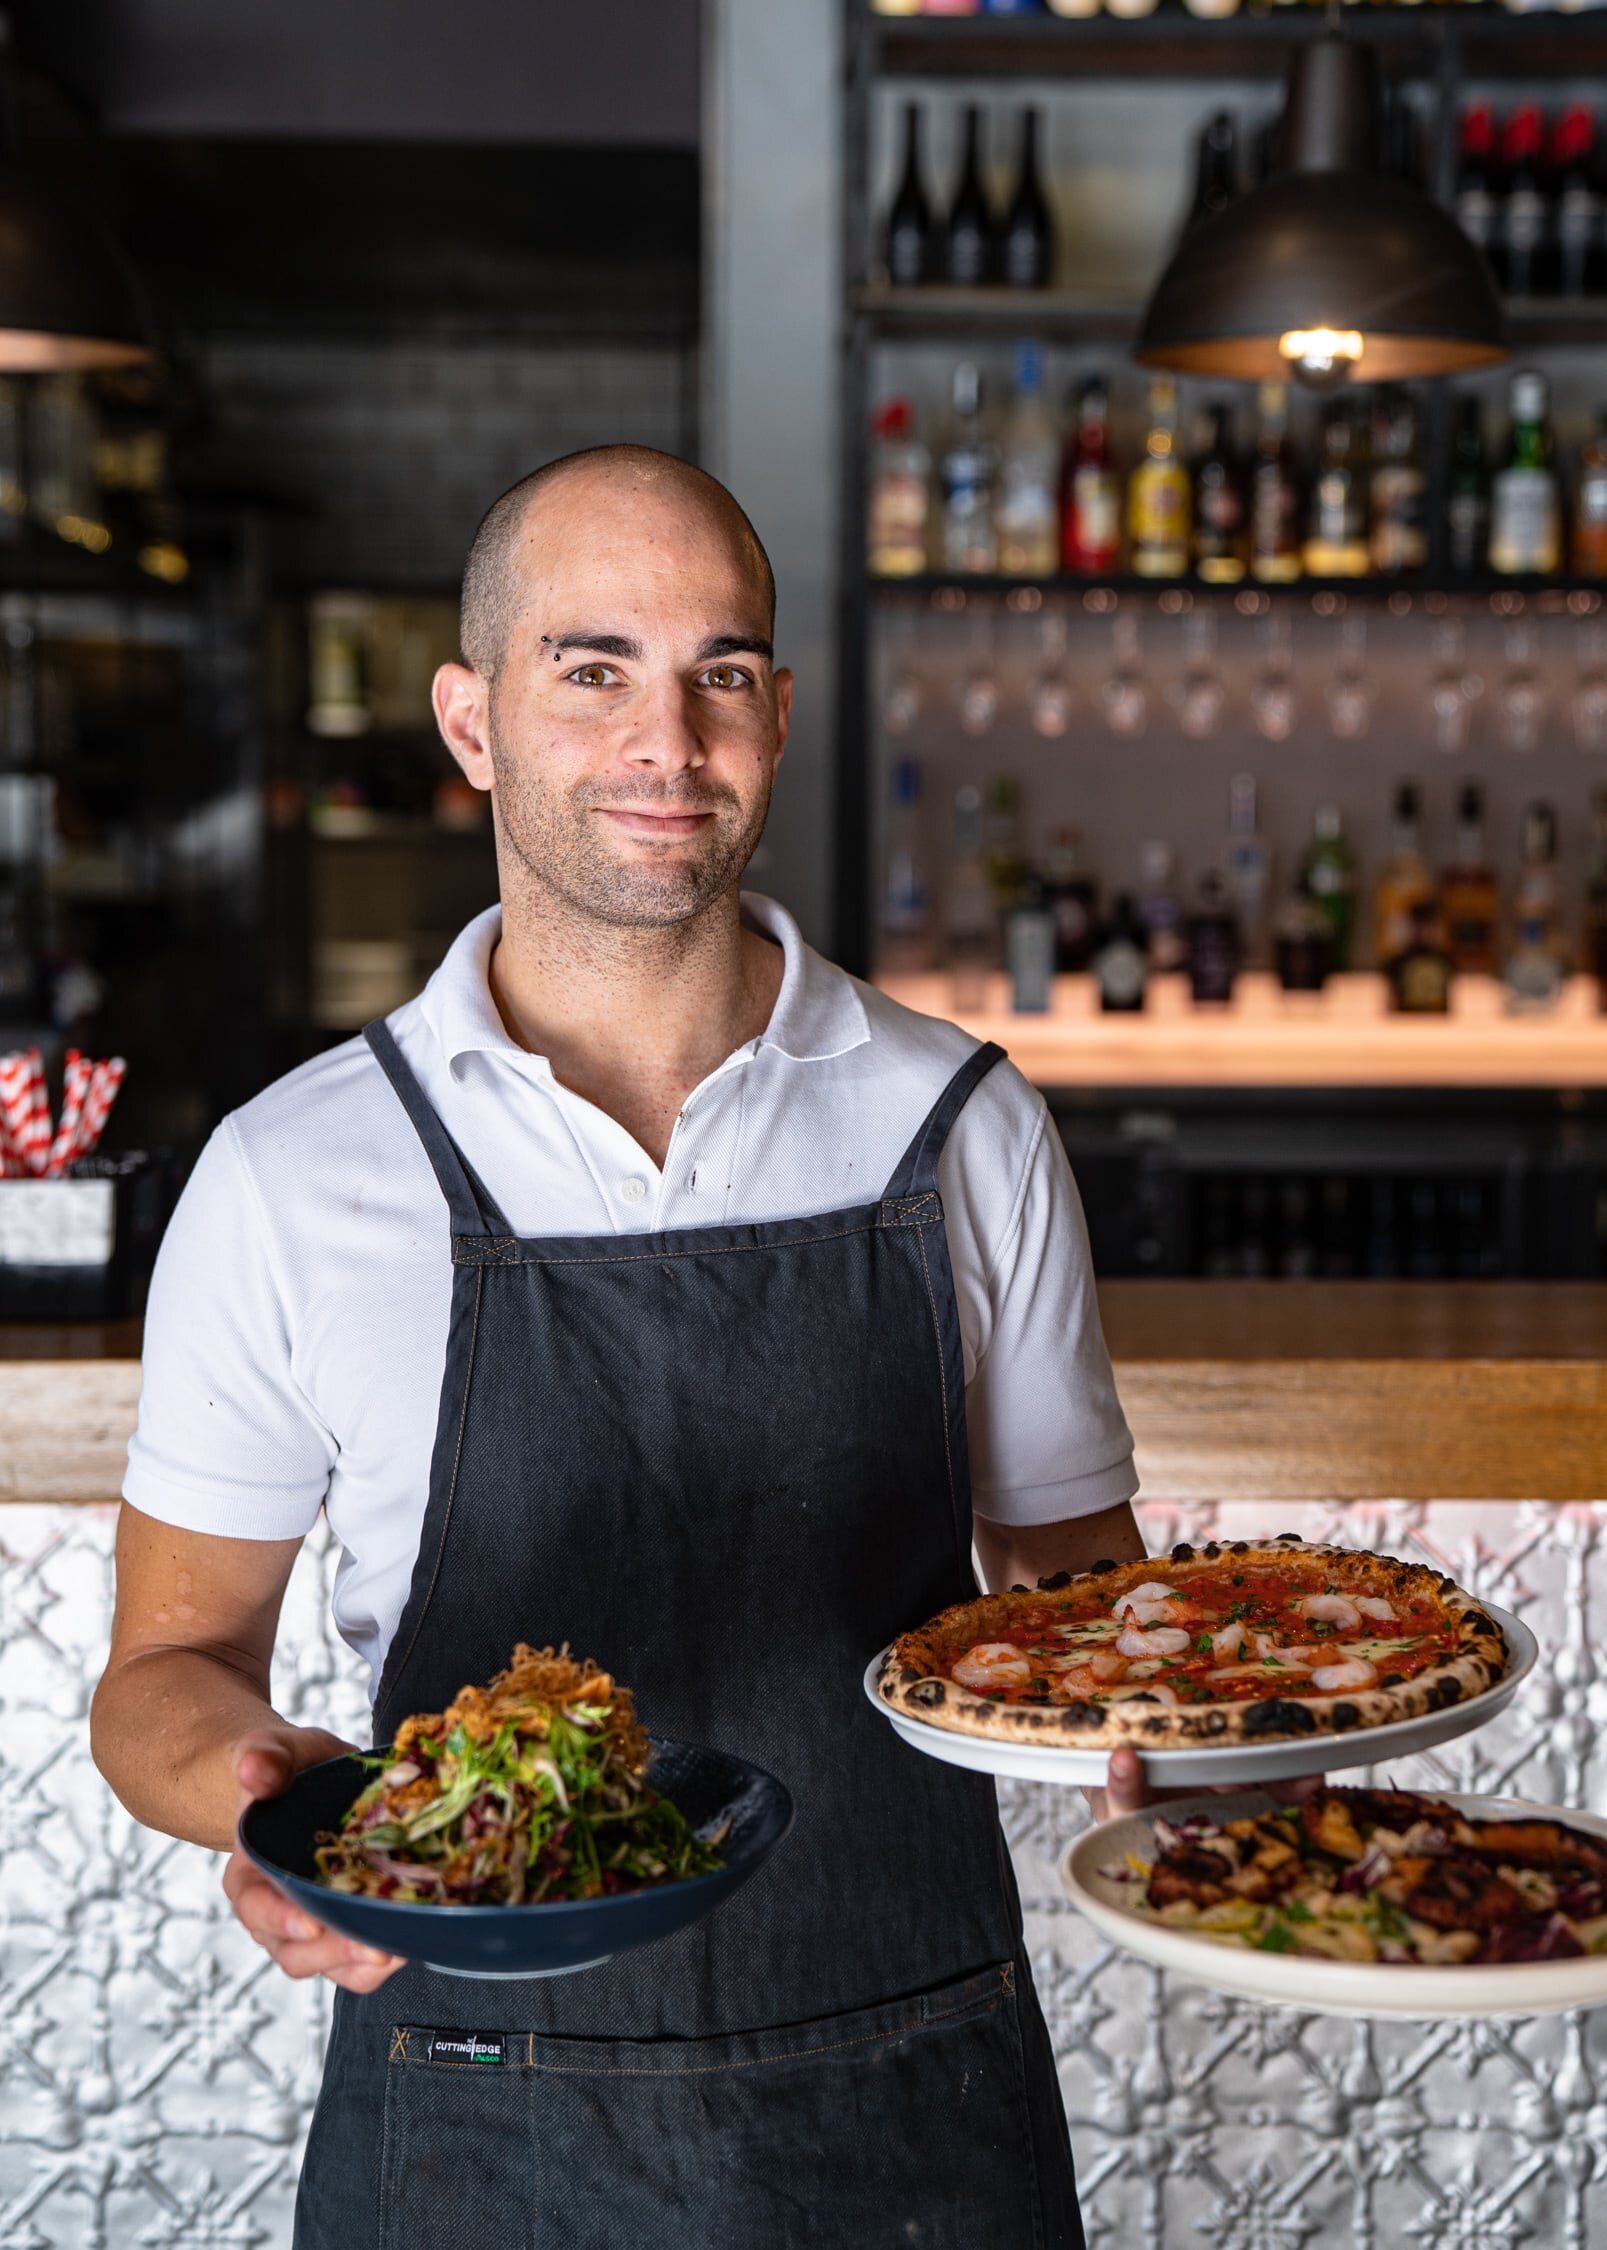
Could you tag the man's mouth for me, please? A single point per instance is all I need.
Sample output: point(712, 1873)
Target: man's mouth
point(638, 820)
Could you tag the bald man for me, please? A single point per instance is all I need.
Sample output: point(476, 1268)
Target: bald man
point(647, 1285)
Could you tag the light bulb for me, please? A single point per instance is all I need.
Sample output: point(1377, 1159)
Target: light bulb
point(1322, 358)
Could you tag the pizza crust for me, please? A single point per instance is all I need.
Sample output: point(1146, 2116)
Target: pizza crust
point(914, 1673)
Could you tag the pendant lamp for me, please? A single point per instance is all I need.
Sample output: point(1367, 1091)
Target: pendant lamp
point(1329, 270)
point(67, 300)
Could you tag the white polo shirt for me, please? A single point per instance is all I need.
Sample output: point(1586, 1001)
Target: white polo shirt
point(297, 1324)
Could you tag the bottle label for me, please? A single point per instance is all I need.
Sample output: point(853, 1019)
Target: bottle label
point(1468, 520)
point(1591, 501)
point(1400, 528)
point(1096, 511)
point(966, 255)
point(1024, 251)
point(1523, 223)
point(898, 523)
point(1423, 983)
point(1523, 521)
point(1475, 215)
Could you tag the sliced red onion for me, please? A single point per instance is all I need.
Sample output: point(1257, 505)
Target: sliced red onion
point(1363, 1873)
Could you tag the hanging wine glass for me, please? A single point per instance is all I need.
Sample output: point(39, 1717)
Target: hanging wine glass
point(1522, 702)
point(1453, 689)
point(902, 693)
point(1203, 695)
point(978, 698)
point(1273, 704)
point(1124, 695)
point(1588, 707)
point(1350, 693)
point(1050, 698)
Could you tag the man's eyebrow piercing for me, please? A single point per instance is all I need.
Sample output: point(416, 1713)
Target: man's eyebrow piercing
point(547, 641)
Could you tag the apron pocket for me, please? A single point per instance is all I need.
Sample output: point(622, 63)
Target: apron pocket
point(456, 2161)
point(898, 2127)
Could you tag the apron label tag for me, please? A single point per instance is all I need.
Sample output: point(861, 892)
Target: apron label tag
point(411, 2043)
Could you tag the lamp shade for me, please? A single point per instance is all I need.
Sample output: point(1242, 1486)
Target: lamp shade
point(66, 298)
point(1327, 246)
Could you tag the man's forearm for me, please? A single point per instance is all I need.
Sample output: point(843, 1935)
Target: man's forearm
point(1021, 1554)
point(163, 1728)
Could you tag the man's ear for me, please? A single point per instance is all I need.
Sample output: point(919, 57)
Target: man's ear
point(462, 700)
point(783, 709)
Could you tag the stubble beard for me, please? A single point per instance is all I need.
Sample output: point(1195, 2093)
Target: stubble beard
point(560, 846)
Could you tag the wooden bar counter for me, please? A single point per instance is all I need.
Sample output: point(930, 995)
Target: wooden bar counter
point(1343, 1036)
point(1247, 1390)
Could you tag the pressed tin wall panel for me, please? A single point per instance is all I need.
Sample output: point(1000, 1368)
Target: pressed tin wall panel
point(156, 2073)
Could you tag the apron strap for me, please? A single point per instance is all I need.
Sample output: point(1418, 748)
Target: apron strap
point(916, 1170)
point(473, 1210)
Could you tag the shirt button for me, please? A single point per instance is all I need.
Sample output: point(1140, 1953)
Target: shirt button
point(632, 1191)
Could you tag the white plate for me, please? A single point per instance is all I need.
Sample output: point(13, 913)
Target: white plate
point(1201, 1765)
point(1330, 1988)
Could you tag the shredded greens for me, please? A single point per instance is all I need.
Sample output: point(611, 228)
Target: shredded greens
point(529, 1790)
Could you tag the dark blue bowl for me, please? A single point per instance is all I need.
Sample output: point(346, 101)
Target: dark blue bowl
point(279, 1834)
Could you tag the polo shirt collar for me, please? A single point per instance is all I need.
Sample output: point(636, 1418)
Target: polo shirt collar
point(818, 1011)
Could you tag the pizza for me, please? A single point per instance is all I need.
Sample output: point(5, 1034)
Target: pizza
point(1237, 1641)
point(1378, 1875)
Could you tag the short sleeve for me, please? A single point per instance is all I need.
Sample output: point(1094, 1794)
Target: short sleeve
point(1048, 1438)
point(226, 1441)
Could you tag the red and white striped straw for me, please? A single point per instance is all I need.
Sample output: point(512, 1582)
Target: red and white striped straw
point(105, 1079)
point(76, 1074)
point(38, 1149)
point(16, 1107)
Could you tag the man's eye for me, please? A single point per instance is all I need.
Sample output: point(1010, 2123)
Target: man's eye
point(594, 675)
point(727, 676)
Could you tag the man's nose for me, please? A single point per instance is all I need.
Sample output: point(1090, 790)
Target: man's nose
point(668, 732)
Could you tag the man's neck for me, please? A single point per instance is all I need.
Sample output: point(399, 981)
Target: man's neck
point(633, 1020)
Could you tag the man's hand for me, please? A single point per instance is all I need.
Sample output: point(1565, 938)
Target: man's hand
point(1126, 1790)
point(265, 1764)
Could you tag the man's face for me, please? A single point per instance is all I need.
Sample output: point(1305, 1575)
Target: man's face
point(636, 719)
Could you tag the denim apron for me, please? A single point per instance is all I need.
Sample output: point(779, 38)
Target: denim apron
point(730, 1464)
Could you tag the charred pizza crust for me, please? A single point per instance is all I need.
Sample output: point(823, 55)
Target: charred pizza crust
point(915, 1676)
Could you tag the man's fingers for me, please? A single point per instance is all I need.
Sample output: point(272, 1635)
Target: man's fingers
point(263, 1911)
point(357, 1968)
point(263, 1767)
point(1124, 1784)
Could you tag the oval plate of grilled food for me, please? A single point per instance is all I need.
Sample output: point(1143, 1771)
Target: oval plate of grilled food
point(1359, 1902)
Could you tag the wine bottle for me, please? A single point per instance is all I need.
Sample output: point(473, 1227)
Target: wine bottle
point(1519, 246)
point(970, 236)
point(1029, 234)
point(1475, 179)
point(909, 223)
point(1575, 267)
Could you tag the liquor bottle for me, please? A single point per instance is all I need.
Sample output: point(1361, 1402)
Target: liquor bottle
point(1029, 951)
point(1420, 971)
point(909, 246)
point(906, 904)
point(1525, 525)
point(1535, 896)
point(1274, 495)
point(1533, 974)
point(1026, 509)
point(1470, 897)
point(1399, 488)
point(1216, 168)
point(1002, 857)
point(1588, 540)
point(969, 234)
point(900, 494)
point(1337, 544)
point(1121, 964)
point(965, 476)
point(1302, 942)
point(1247, 865)
point(1028, 248)
point(970, 921)
point(1160, 909)
point(1091, 495)
point(1518, 247)
point(1213, 942)
point(1404, 880)
point(1593, 952)
point(1467, 506)
point(1329, 874)
point(1071, 898)
point(1220, 509)
point(1475, 203)
point(1158, 494)
point(1578, 262)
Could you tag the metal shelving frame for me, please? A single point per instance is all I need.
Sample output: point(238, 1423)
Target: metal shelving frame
point(1442, 46)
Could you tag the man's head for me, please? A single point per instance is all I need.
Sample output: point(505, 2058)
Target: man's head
point(617, 693)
